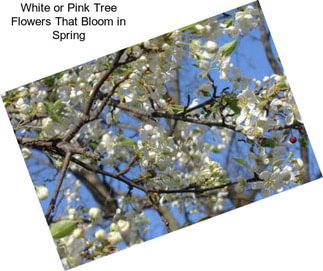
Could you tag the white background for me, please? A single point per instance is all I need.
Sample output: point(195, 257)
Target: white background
point(283, 232)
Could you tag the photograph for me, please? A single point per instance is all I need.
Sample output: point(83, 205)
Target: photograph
point(161, 135)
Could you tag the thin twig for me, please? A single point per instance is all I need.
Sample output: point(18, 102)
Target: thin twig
point(155, 205)
point(52, 203)
point(158, 114)
point(199, 190)
point(213, 85)
point(86, 114)
point(267, 46)
point(107, 97)
point(131, 183)
point(128, 167)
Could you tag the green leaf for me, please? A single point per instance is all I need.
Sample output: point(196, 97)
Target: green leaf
point(7, 100)
point(48, 106)
point(233, 104)
point(85, 210)
point(229, 22)
point(127, 142)
point(303, 141)
point(268, 142)
point(228, 48)
point(59, 75)
point(205, 93)
point(177, 108)
point(93, 145)
point(149, 174)
point(187, 27)
point(179, 67)
point(196, 131)
point(241, 8)
point(49, 81)
point(240, 161)
point(282, 85)
point(204, 218)
point(62, 228)
point(58, 104)
point(215, 149)
point(55, 117)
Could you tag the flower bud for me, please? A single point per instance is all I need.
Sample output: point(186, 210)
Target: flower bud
point(165, 46)
point(266, 79)
point(147, 44)
point(78, 233)
point(211, 47)
point(148, 127)
point(42, 192)
point(47, 123)
point(298, 163)
point(41, 108)
point(95, 213)
point(114, 237)
point(100, 234)
point(26, 153)
point(123, 225)
point(113, 227)
point(200, 28)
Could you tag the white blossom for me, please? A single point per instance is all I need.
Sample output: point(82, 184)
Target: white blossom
point(100, 234)
point(42, 192)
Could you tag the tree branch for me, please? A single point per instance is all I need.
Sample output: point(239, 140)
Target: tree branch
point(107, 98)
point(157, 114)
point(86, 114)
point(52, 203)
point(58, 144)
point(155, 205)
point(267, 46)
point(128, 167)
